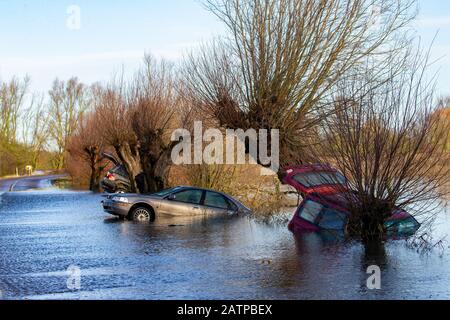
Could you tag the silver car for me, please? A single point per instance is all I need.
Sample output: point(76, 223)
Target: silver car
point(178, 201)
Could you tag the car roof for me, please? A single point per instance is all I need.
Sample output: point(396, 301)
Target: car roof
point(215, 191)
point(205, 189)
point(318, 167)
point(199, 188)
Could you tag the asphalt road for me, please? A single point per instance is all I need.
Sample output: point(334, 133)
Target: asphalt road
point(28, 183)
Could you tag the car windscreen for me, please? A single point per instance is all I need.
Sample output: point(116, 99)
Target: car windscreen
point(315, 179)
point(166, 192)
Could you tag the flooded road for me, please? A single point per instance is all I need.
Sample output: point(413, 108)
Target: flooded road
point(29, 183)
point(43, 233)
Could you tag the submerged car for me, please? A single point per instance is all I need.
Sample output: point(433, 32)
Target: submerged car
point(326, 198)
point(116, 179)
point(178, 201)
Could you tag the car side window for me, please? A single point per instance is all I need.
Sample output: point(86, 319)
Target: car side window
point(332, 220)
point(402, 227)
point(189, 196)
point(407, 225)
point(216, 200)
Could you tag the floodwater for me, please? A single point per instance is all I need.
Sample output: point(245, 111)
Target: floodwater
point(43, 233)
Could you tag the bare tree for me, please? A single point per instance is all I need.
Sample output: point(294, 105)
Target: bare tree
point(12, 96)
point(87, 144)
point(443, 114)
point(156, 110)
point(67, 103)
point(113, 112)
point(281, 58)
point(138, 121)
point(35, 128)
point(385, 138)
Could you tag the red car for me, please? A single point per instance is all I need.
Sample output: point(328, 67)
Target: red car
point(325, 205)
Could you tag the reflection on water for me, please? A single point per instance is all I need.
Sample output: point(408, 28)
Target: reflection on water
point(42, 233)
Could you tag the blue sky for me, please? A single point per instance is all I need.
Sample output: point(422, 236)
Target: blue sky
point(35, 39)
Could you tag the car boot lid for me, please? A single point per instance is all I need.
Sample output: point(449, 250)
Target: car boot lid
point(318, 178)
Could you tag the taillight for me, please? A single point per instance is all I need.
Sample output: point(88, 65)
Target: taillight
point(110, 176)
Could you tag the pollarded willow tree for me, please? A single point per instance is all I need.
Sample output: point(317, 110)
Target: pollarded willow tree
point(280, 60)
point(138, 119)
point(386, 139)
point(87, 145)
point(156, 110)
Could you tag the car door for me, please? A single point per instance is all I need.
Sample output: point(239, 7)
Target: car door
point(217, 204)
point(182, 203)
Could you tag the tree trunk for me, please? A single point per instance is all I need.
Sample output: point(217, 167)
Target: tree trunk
point(152, 182)
point(367, 221)
point(92, 178)
point(129, 156)
point(372, 227)
point(60, 161)
point(94, 185)
point(157, 171)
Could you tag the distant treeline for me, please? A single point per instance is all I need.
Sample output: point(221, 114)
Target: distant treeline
point(34, 128)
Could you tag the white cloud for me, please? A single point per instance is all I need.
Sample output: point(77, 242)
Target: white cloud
point(434, 22)
point(60, 61)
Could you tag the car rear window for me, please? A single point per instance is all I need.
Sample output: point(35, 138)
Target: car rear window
point(310, 211)
point(314, 179)
point(120, 170)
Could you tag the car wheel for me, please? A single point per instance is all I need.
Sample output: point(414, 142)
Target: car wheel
point(142, 214)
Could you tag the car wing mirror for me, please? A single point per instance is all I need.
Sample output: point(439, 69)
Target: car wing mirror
point(172, 197)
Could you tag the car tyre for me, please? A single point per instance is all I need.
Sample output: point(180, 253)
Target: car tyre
point(142, 214)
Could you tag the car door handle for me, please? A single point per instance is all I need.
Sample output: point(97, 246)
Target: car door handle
point(196, 207)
